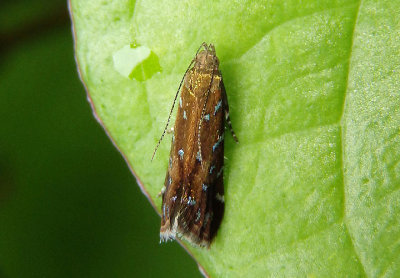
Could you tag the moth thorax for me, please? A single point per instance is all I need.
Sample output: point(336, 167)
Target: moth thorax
point(206, 60)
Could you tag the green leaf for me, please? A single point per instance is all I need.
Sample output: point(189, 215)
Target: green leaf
point(312, 189)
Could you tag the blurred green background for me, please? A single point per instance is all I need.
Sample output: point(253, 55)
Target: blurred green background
point(69, 206)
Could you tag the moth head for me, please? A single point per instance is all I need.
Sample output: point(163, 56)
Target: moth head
point(207, 60)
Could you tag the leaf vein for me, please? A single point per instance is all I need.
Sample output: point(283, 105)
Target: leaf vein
point(342, 131)
point(273, 27)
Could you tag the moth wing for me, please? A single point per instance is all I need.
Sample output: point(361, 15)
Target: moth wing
point(210, 184)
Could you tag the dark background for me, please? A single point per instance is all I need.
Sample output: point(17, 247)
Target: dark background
point(69, 207)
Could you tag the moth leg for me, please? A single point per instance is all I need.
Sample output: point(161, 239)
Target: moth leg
point(166, 184)
point(162, 191)
point(226, 108)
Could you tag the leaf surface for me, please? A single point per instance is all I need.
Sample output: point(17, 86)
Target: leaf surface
point(313, 186)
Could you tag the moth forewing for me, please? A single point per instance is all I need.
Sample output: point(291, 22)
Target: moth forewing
point(193, 199)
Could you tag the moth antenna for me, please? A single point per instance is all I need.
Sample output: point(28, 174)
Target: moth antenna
point(176, 96)
point(202, 114)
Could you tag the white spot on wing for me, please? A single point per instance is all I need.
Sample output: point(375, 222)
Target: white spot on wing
point(198, 156)
point(198, 214)
point(212, 169)
point(220, 198)
point(220, 171)
point(191, 201)
point(217, 107)
point(220, 139)
point(181, 152)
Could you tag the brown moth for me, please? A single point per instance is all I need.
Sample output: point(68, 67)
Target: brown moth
point(193, 194)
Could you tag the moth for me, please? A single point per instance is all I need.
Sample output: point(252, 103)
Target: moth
point(193, 193)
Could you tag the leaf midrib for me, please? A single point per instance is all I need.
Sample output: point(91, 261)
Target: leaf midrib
point(342, 139)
